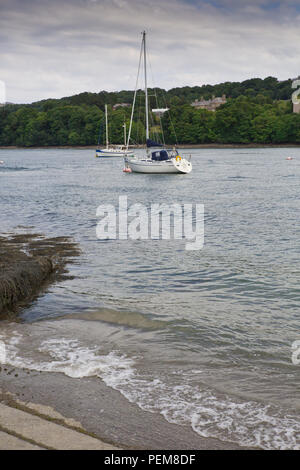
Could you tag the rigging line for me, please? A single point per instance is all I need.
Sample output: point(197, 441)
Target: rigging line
point(156, 100)
point(173, 127)
point(166, 106)
point(156, 134)
point(160, 123)
point(135, 92)
point(170, 118)
point(138, 120)
point(146, 86)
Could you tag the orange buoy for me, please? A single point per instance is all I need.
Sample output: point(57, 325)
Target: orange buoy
point(127, 170)
point(289, 158)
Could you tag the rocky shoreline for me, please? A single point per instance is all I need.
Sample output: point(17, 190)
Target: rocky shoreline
point(28, 263)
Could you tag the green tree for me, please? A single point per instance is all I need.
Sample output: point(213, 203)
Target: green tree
point(74, 138)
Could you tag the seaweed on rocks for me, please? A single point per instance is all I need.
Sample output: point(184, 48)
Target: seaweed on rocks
point(28, 264)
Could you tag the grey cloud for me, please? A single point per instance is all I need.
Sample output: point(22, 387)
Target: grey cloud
point(56, 48)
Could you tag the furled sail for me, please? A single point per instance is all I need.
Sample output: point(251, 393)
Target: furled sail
point(152, 143)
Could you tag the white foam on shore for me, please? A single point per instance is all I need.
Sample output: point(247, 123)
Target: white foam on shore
point(178, 400)
point(250, 424)
point(68, 357)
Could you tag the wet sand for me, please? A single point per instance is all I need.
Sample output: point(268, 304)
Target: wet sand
point(101, 411)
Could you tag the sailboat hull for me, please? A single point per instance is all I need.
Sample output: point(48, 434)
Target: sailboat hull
point(150, 166)
point(113, 150)
point(159, 160)
point(113, 153)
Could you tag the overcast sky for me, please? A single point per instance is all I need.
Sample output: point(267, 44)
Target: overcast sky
point(56, 48)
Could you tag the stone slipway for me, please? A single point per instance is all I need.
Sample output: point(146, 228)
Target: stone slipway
point(20, 430)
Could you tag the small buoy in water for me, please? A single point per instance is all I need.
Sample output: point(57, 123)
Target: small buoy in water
point(1, 162)
point(127, 170)
point(289, 158)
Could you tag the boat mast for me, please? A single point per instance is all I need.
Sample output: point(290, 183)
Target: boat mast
point(124, 125)
point(106, 125)
point(135, 93)
point(146, 90)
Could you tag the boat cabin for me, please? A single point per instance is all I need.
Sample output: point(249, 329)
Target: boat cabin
point(160, 155)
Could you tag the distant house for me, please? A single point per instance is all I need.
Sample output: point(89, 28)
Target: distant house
point(296, 108)
point(210, 105)
point(159, 111)
point(295, 84)
point(121, 105)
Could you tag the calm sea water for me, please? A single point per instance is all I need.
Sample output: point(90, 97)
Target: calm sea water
point(203, 337)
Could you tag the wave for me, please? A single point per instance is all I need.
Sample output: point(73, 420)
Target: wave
point(120, 317)
point(13, 168)
point(238, 177)
point(175, 394)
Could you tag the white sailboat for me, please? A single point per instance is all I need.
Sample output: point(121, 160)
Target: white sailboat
point(156, 159)
point(113, 150)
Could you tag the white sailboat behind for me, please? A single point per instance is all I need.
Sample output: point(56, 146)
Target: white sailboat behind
point(156, 158)
point(113, 150)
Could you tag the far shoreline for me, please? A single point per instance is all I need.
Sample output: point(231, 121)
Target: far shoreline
point(179, 146)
